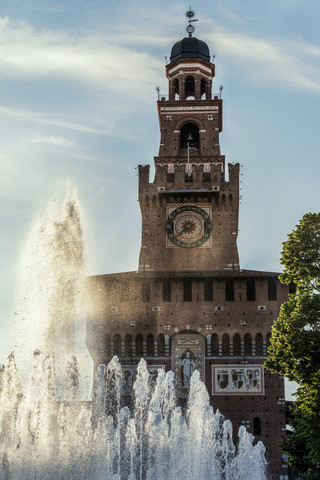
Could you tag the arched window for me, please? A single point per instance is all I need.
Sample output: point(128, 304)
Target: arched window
point(214, 345)
point(139, 345)
point(236, 345)
point(117, 344)
point(176, 85)
point(161, 345)
point(189, 88)
point(203, 87)
point(128, 346)
point(259, 345)
point(150, 345)
point(256, 426)
point(186, 130)
point(247, 344)
point(225, 345)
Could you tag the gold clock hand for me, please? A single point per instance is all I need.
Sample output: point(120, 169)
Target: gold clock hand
point(185, 229)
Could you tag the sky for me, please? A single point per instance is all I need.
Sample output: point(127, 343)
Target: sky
point(78, 98)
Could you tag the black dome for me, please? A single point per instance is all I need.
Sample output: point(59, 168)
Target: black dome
point(190, 47)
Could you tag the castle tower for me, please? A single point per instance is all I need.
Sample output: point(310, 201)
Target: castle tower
point(189, 306)
point(190, 210)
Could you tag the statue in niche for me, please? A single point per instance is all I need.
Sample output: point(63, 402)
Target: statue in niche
point(188, 367)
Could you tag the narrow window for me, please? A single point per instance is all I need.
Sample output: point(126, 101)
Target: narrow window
point(208, 290)
point(214, 345)
point(259, 345)
point(236, 345)
point(176, 86)
point(251, 290)
point(150, 345)
point(190, 88)
point(139, 345)
point(225, 345)
point(161, 345)
point(187, 290)
point(166, 290)
point(272, 288)
point(117, 344)
point(247, 344)
point(128, 346)
point(203, 87)
point(229, 290)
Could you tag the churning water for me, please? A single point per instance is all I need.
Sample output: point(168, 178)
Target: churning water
point(64, 424)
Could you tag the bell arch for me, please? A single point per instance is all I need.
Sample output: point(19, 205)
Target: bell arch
point(189, 133)
point(176, 88)
point(203, 89)
point(189, 88)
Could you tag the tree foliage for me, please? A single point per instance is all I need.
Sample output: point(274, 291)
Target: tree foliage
point(295, 343)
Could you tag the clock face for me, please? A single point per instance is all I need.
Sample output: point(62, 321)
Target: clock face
point(188, 226)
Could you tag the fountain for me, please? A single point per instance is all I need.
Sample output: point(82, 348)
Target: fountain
point(63, 424)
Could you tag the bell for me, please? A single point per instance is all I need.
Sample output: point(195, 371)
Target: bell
point(189, 138)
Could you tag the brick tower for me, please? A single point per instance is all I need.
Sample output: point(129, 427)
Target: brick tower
point(190, 210)
point(189, 303)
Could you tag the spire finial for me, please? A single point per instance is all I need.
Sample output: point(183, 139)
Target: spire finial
point(190, 28)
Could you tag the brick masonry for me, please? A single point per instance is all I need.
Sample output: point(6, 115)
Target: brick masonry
point(189, 293)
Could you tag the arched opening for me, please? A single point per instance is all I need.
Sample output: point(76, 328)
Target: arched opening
point(236, 345)
point(117, 344)
point(190, 88)
point(203, 89)
point(225, 345)
point(150, 345)
point(256, 426)
point(161, 345)
point(176, 86)
point(139, 345)
point(259, 345)
point(214, 345)
point(128, 346)
point(247, 344)
point(186, 130)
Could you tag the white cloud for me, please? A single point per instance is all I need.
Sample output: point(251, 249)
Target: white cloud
point(229, 14)
point(41, 118)
point(58, 141)
point(97, 60)
point(292, 63)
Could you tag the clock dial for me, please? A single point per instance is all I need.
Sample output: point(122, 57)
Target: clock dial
point(188, 226)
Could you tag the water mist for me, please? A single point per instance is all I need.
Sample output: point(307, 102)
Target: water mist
point(63, 424)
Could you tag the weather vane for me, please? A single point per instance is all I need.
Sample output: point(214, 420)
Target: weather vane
point(190, 28)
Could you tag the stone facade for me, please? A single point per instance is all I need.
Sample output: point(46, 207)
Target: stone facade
point(190, 305)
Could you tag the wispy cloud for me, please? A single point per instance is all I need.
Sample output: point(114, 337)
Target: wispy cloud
point(230, 14)
point(292, 64)
point(58, 141)
point(96, 60)
point(47, 119)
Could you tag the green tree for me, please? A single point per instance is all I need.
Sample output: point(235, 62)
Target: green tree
point(295, 343)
